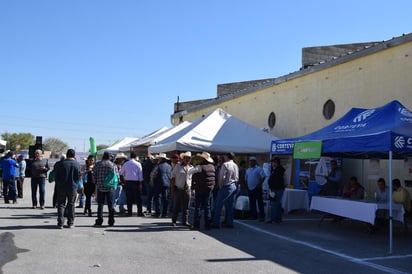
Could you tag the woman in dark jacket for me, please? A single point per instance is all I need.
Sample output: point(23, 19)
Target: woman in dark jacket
point(203, 183)
point(277, 187)
point(88, 184)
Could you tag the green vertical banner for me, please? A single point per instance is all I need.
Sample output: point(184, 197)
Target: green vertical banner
point(93, 148)
point(307, 150)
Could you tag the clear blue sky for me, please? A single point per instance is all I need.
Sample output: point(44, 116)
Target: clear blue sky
point(110, 69)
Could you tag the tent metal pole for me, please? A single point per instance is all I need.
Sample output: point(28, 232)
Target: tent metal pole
point(390, 203)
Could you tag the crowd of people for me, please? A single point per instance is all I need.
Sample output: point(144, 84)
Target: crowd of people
point(13, 173)
point(165, 187)
point(192, 186)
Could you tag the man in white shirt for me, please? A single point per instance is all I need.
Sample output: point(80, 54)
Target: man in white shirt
point(133, 176)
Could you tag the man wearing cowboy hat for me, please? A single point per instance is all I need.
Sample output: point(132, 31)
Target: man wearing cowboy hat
point(119, 194)
point(202, 183)
point(181, 184)
point(228, 177)
point(162, 185)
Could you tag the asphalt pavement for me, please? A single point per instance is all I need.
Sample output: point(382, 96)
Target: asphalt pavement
point(31, 243)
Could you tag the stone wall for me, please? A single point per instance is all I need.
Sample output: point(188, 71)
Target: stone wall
point(315, 55)
point(181, 106)
point(225, 89)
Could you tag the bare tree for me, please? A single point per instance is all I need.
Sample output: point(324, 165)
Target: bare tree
point(54, 145)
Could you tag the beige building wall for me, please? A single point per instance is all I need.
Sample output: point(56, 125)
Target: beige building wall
point(366, 82)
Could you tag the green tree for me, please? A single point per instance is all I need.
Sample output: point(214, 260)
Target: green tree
point(54, 145)
point(18, 141)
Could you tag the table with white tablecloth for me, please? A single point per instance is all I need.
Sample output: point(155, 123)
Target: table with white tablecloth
point(364, 211)
point(295, 199)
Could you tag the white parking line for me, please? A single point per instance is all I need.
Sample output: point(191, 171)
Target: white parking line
point(363, 262)
point(387, 257)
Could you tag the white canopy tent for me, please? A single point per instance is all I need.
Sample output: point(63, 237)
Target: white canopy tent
point(217, 132)
point(152, 134)
point(116, 147)
point(156, 137)
point(3, 143)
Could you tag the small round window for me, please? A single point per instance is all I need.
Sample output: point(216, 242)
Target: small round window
point(272, 120)
point(328, 109)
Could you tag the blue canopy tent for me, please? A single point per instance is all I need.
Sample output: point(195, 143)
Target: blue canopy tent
point(361, 133)
point(384, 132)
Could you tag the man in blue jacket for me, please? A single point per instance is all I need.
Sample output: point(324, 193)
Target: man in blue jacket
point(8, 166)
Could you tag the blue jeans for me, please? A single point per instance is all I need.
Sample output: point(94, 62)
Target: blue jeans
point(119, 198)
point(161, 197)
point(276, 207)
point(103, 197)
point(82, 198)
point(202, 202)
point(225, 197)
point(9, 190)
point(41, 183)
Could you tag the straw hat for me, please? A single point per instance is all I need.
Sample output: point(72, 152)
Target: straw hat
point(162, 155)
point(206, 156)
point(121, 155)
point(186, 154)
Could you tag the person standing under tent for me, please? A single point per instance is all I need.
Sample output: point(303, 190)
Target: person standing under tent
point(147, 167)
point(132, 173)
point(228, 177)
point(181, 183)
point(254, 177)
point(119, 196)
point(161, 186)
point(202, 183)
point(277, 188)
point(333, 185)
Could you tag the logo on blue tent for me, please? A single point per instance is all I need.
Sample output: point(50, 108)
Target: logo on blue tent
point(363, 116)
point(407, 115)
point(405, 112)
point(282, 148)
point(399, 142)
